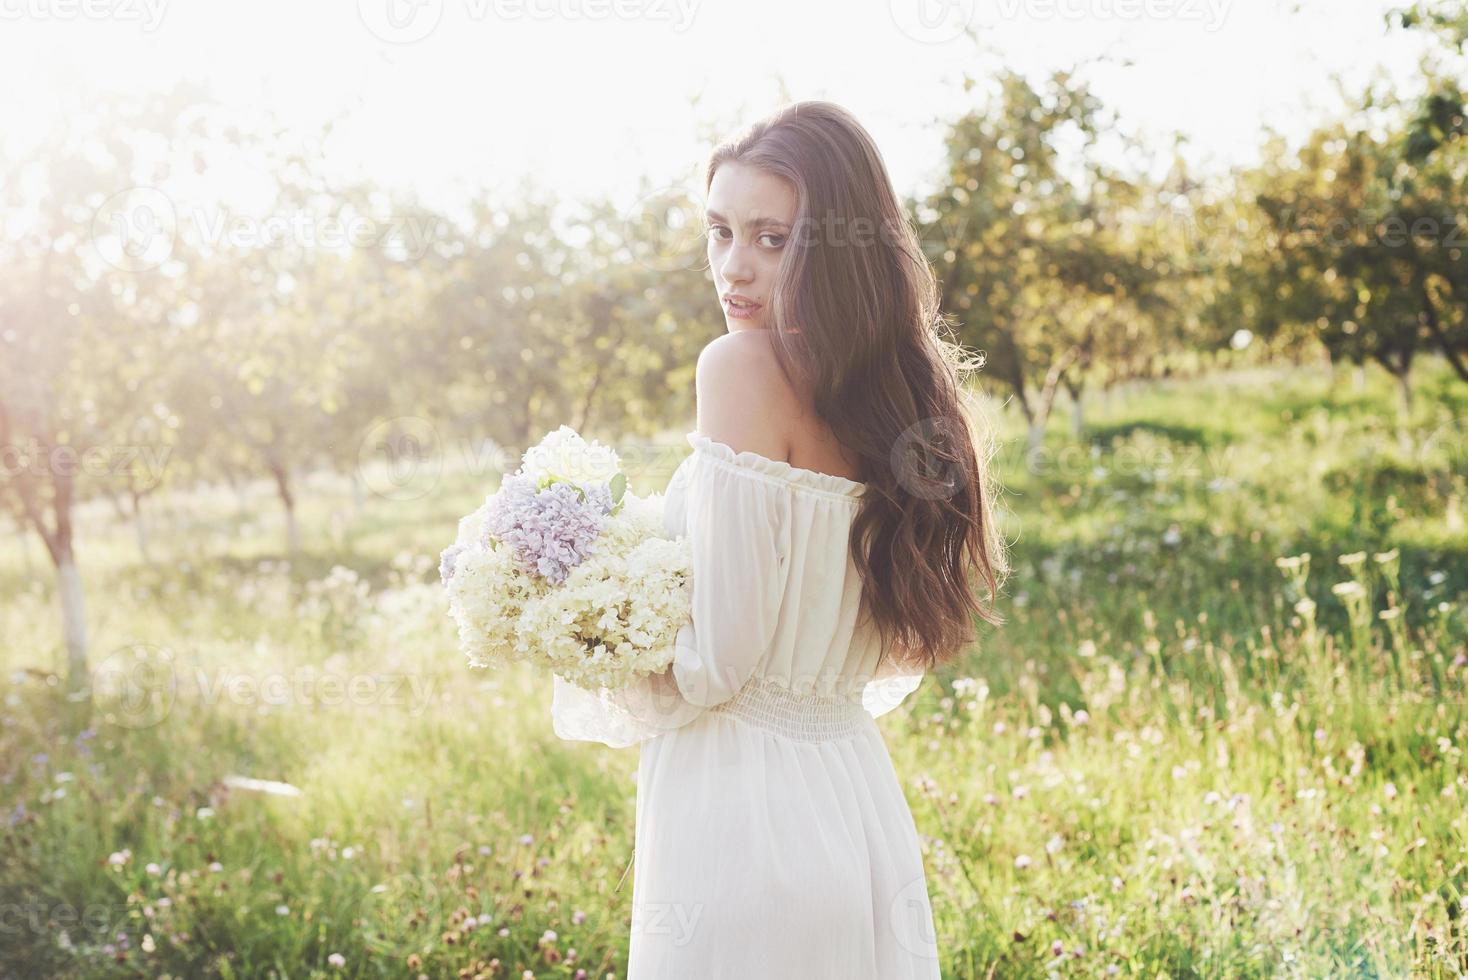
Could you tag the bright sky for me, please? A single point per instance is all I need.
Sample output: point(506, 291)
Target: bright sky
point(587, 95)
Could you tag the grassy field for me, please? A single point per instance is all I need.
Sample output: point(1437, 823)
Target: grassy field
point(1221, 734)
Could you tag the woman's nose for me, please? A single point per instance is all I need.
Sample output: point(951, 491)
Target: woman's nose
point(737, 267)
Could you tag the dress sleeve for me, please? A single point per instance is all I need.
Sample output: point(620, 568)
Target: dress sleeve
point(738, 529)
point(890, 687)
point(738, 523)
point(619, 717)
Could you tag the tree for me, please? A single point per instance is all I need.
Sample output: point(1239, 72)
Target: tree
point(79, 220)
point(1037, 251)
point(1361, 247)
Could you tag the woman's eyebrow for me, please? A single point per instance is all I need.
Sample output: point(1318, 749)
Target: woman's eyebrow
point(756, 223)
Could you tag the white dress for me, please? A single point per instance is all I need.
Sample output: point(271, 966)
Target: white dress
point(773, 841)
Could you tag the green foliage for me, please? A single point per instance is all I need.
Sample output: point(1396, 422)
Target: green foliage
point(1220, 734)
point(1041, 256)
point(1440, 118)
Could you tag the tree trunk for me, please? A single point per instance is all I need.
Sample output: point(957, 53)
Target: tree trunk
point(1077, 412)
point(1047, 397)
point(58, 541)
point(1401, 369)
point(1012, 371)
point(1404, 392)
point(73, 620)
point(1034, 436)
point(283, 488)
point(140, 524)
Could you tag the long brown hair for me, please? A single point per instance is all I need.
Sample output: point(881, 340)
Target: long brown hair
point(868, 341)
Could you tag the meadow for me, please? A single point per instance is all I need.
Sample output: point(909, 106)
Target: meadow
point(1220, 735)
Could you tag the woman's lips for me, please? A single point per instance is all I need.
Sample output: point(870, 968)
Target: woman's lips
point(740, 311)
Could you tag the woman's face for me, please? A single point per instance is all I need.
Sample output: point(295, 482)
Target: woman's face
point(749, 217)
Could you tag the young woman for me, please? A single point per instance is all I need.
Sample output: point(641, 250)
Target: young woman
point(837, 505)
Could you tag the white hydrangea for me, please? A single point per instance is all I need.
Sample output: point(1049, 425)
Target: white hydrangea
point(613, 619)
point(486, 597)
point(565, 455)
point(616, 616)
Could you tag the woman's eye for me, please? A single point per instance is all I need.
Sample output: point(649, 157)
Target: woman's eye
point(721, 233)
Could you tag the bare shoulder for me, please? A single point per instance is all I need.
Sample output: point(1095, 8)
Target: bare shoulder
point(739, 350)
point(744, 400)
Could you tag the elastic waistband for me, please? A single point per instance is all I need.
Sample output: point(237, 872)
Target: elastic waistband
point(776, 708)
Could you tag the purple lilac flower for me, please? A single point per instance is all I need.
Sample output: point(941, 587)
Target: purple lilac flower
point(549, 531)
point(446, 562)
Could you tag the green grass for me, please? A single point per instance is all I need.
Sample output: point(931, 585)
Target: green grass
point(1177, 758)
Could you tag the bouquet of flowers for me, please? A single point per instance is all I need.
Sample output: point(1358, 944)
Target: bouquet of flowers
point(564, 569)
